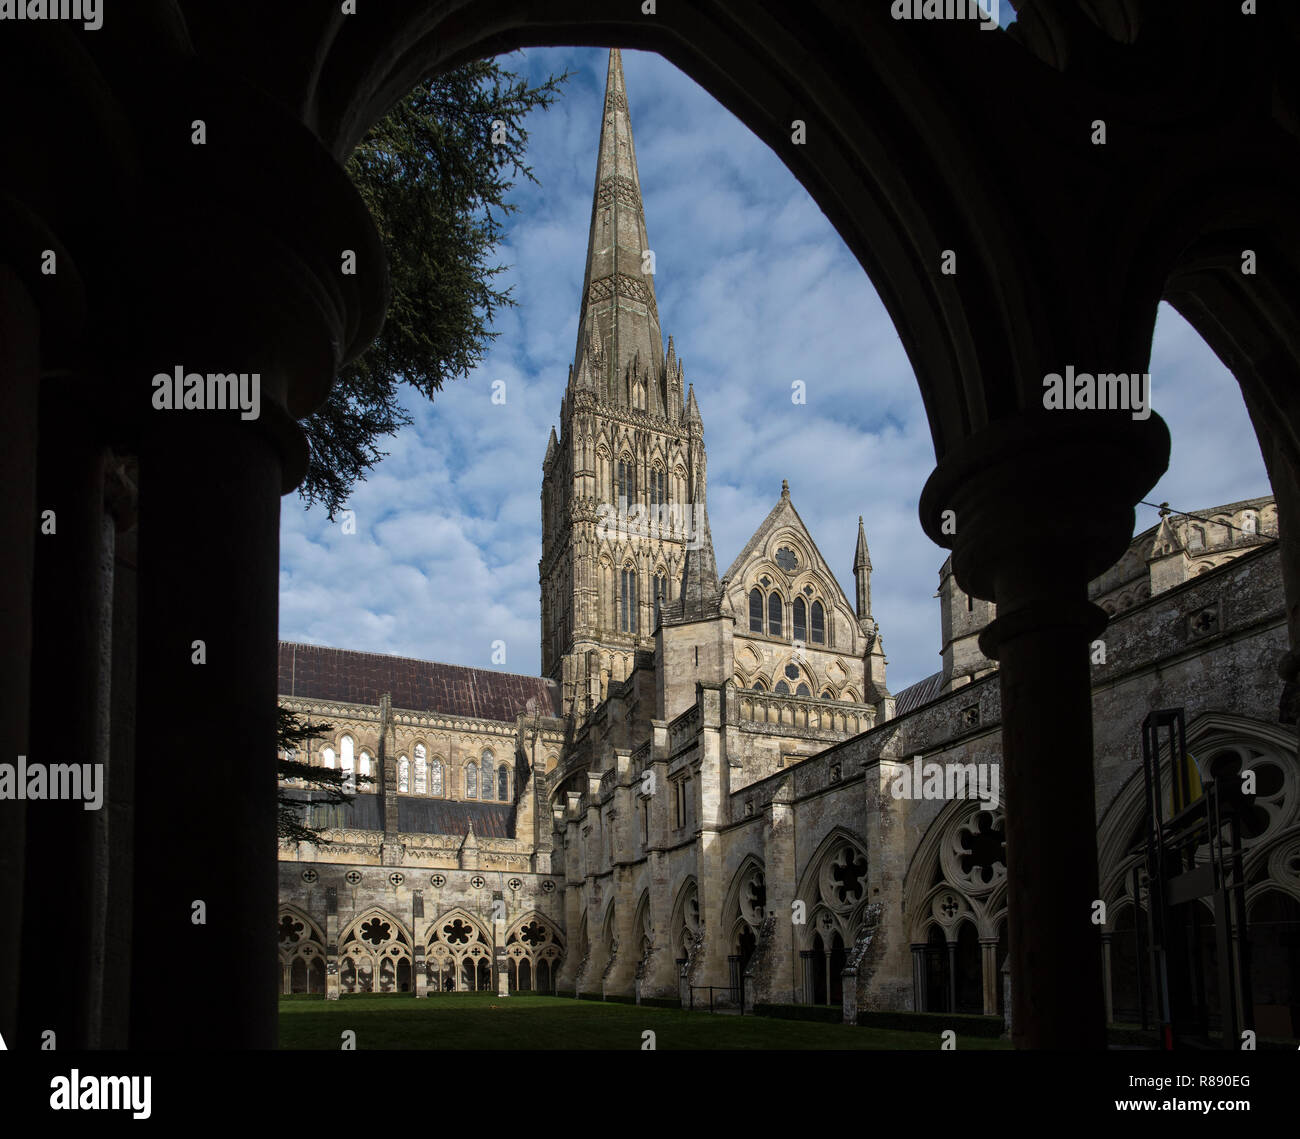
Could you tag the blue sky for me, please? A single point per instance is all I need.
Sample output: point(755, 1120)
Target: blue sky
point(758, 290)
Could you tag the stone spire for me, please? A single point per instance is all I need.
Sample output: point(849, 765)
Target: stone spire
point(862, 571)
point(692, 408)
point(700, 589)
point(619, 313)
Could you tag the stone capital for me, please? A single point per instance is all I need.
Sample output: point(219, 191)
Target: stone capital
point(1043, 496)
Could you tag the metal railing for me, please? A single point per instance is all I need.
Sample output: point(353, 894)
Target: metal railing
point(736, 996)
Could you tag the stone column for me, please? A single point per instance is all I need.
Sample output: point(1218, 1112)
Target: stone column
point(989, 974)
point(20, 328)
point(419, 977)
point(499, 966)
point(332, 962)
point(1106, 939)
point(1034, 508)
point(124, 640)
point(67, 844)
point(919, 977)
point(208, 668)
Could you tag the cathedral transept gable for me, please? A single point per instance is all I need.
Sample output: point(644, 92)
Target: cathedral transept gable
point(781, 558)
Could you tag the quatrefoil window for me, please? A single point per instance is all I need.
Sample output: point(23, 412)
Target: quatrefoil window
point(376, 931)
point(396, 879)
point(847, 874)
point(309, 876)
point(438, 880)
point(352, 877)
point(477, 881)
point(514, 883)
point(290, 930)
point(756, 894)
point(548, 886)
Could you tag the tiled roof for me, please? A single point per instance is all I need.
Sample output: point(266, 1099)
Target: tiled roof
point(922, 692)
point(415, 815)
point(347, 677)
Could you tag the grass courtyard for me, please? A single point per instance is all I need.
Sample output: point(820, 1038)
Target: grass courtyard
point(486, 1021)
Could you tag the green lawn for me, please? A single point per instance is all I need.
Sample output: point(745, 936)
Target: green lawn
point(484, 1020)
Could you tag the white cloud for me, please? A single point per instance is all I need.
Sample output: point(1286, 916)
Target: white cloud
point(758, 290)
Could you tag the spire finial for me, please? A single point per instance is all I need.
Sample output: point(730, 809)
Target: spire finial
point(785, 488)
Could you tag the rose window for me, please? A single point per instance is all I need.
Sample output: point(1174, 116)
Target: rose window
point(973, 856)
point(533, 934)
point(376, 931)
point(290, 929)
point(457, 933)
point(985, 845)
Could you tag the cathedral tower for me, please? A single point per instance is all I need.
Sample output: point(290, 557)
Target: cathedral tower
point(620, 480)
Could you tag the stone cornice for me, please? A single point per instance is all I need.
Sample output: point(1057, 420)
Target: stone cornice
point(411, 719)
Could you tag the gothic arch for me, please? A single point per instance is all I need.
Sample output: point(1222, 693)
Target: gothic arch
point(375, 954)
point(534, 950)
point(833, 889)
point(458, 953)
point(686, 926)
point(301, 951)
point(644, 934)
point(962, 854)
point(746, 896)
point(894, 185)
point(1273, 827)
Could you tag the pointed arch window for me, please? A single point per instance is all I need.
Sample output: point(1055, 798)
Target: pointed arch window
point(487, 774)
point(471, 781)
point(421, 769)
point(755, 610)
point(774, 616)
point(435, 777)
point(403, 774)
point(800, 620)
point(503, 783)
point(818, 623)
point(782, 688)
point(347, 764)
point(627, 601)
point(625, 485)
point(327, 757)
point(364, 767)
point(802, 690)
point(658, 488)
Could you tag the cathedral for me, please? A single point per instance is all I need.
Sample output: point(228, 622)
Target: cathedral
point(706, 794)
